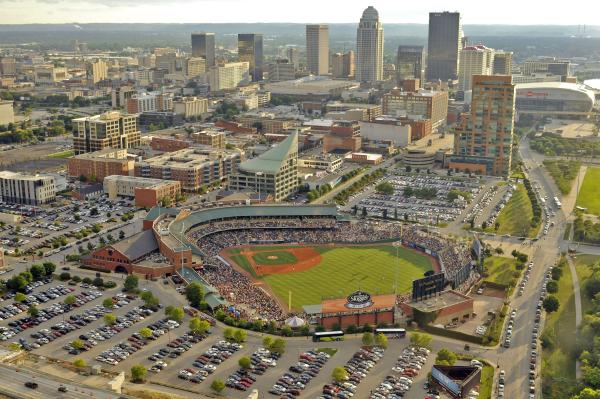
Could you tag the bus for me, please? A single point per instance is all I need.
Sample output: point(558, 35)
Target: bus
point(391, 332)
point(331, 335)
point(557, 203)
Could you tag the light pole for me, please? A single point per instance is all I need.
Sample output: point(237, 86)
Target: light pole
point(397, 245)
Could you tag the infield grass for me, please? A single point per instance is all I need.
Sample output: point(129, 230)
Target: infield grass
point(588, 194)
point(344, 270)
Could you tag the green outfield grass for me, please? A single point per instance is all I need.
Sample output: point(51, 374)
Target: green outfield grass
point(282, 257)
point(588, 193)
point(344, 270)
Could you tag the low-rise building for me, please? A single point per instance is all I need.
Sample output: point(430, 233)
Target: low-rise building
point(193, 167)
point(147, 192)
point(328, 162)
point(49, 74)
point(190, 107)
point(384, 128)
point(210, 137)
point(343, 135)
point(427, 104)
point(168, 144)
point(370, 111)
point(311, 88)
point(228, 76)
point(95, 166)
point(26, 189)
point(365, 158)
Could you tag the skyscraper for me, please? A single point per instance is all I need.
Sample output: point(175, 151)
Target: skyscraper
point(484, 138)
point(203, 45)
point(443, 45)
point(369, 47)
point(293, 56)
point(503, 62)
point(343, 65)
point(410, 63)
point(317, 49)
point(474, 60)
point(250, 50)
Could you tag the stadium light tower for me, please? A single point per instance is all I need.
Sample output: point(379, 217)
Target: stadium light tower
point(397, 245)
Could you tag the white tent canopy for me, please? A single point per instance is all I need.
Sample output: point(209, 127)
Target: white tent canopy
point(295, 322)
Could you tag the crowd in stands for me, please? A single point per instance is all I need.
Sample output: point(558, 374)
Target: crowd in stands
point(251, 300)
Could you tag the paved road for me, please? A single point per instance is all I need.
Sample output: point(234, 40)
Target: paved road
point(14, 379)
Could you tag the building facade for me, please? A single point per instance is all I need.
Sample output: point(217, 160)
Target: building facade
point(147, 192)
point(443, 45)
point(95, 166)
point(343, 65)
point(410, 63)
point(369, 47)
point(203, 45)
point(503, 62)
point(474, 60)
point(190, 107)
point(281, 70)
point(483, 140)
point(274, 172)
point(228, 76)
point(250, 50)
point(25, 189)
point(193, 167)
point(111, 129)
point(426, 104)
point(317, 49)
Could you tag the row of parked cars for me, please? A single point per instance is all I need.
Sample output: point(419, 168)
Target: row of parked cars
point(174, 349)
point(22, 324)
point(308, 366)
point(407, 367)
point(525, 279)
point(357, 368)
point(261, 360)
point(208, 361)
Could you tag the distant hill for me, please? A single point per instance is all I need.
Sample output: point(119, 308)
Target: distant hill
point(538, 39)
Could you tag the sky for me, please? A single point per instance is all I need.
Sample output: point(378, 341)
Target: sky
point(528, 12)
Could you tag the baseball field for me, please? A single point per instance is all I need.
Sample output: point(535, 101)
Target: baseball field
point(320, 272)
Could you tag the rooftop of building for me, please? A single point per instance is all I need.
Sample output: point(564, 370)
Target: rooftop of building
point(578, 87)
point(334, 104)
point(138, 245)
point(146, 181)
point(105, 117)
point(107, 153)
point(272, 160)
point(321, 157)
point(7, 174)
point(441, 301)
point(419, 93)
point(316, 85)
point(187, 157)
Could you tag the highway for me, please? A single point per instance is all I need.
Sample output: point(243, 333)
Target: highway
point(14, 379)
point(515, 360)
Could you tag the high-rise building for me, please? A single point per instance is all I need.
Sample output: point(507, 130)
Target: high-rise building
point(8, 66)
point(444, 44)
point(203, 45)
point(474, 60)
point(149, 102)
point(503, 62)
point(293, 56)
point(195, 66)
point(547, 65)
point(425, 104)
point(97, 70)
point(410, 63)
point(317, 49)
point(483, 139)
point(274, 172)
point(250, 50)
point(369, 47)
point(343, 65)
point(111, 129)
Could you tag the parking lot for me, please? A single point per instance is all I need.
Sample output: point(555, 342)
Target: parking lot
point(435, 204)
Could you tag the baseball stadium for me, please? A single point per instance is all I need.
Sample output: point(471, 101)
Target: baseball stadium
point(273, 260)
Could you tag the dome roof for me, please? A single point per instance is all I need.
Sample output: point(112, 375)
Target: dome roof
point(370, 13)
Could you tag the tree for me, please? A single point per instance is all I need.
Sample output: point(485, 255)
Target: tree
point(198, 326)
point(70, 300)
point(146, 332)
point(77, 344)
point(108, 303)
point(79, 363)
point(339, 374)
point(588, 393)
point(20, 297)
point(551, 304)
point(217, 386)
point(174, 313)
point(131, 283)
point(33, 311)
point(420, 339)
point(278, 346)
point(110, 319)
point(446, 357)
point(552, 287)
point(138, 373)
point(381, 340)
point(121, 234)
point(286, 331)
point(367, 339)
point(64, 276)
point(194, 294)
point(245, 362)
point(98, 282)
point(228, 333)
point(37, 271)
point(49, 268)
point(267, 341)
point(240, 336)
point(386, 188)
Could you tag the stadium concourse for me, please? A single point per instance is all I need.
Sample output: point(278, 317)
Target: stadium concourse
point(210, 231)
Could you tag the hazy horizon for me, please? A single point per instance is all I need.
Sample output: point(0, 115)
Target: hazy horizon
point(274, 11)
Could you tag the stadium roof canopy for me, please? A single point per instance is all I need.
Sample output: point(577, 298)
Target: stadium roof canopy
point(274, 159)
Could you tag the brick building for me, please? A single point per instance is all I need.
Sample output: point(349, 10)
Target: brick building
point(168, 144)
point(343, 135)
point(95, 166)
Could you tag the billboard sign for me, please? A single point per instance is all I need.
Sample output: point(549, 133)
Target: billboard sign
point(358, 300)
point(428, 286)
